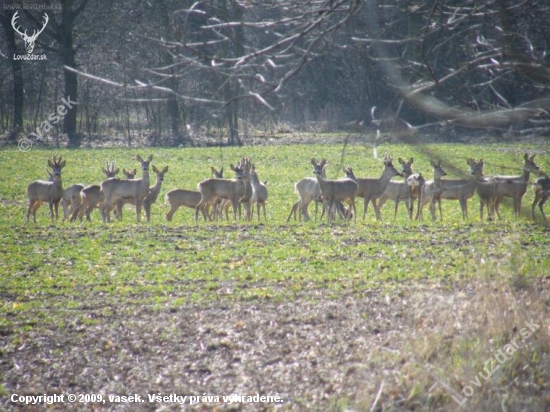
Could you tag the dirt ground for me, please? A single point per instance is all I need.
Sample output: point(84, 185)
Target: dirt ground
point(315, 351)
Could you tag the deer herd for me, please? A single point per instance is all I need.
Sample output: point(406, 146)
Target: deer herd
point(336, 197)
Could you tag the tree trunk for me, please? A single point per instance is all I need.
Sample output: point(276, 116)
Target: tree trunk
point(17, 74)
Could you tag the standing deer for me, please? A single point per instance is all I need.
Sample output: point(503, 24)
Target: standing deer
point(149, 199)
point(308, 189)
point(71, 200)
point(431, 191)
point(371, 189)
point(231, 189)
point(42, 191)
point(191, 198)
point(515, 186)
point(542, 192)
point(259, 192)
point(333, 191)
point(457, 189)
point(398, 191)
point(115, 189)
point(415, 183)
point(246, 198)
point(92, 196)
point(485, 188)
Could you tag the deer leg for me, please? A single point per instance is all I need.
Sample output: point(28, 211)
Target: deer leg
point(541, 205)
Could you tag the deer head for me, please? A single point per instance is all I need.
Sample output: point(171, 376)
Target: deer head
point(29, 40)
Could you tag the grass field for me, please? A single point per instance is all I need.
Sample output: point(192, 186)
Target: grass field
point(391, 315)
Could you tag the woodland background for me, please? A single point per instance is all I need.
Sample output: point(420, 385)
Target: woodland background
point(162, 72)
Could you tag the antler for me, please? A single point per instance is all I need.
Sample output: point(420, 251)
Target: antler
point(35, 32)
point(13, 23)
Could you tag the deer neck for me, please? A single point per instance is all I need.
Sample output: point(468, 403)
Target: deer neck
point(525, 176)
point(384, 179)
point(156, 187)
point(57, 189)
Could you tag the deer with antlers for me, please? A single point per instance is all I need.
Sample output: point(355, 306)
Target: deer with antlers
point(230, 189)
point(149, 199)
point(29, 40)
point(114, 189)
point(41, 191)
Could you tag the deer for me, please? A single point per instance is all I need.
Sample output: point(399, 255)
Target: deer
point(190, 198)
point(431, 191)
point(259, 192)
point(371, 189)
point(231, 189)
point(71, 200)
point(91, 196)
point(245, 199)
point(398, 191)
point(542, 193)
point(335, 190)
point(308, 189)
point(41, 191)
point(414, 183)
point(115, 189)
point(147, 200)
point(515, 186)
point(485, 188)
point(456, 189)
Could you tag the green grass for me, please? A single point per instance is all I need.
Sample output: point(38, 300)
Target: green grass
point(50, 269)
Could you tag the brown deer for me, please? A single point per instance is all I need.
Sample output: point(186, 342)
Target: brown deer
point(371, 189)
point(114, 189)
point(92, 196)
point(191, 198)
point(485, 188)
point(515, 186)
point(431, 192)
point(308, 190)
point(398, 191)
point(333, 191)
point(41, 191)
point(231, 189)
point(542, 192)
point(259, 192)
point(149, 199)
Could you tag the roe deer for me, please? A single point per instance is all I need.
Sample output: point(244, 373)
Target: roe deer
point(456, 189)
point(335, 190)
point(247, 196)
point(542, 192)
point(398, 191)
point(190, 198)
point(371, 189)
point(92, 196)
point(431, 191)
point(71, 200)
point(415, 183)
point(149, 199)
point(45, 191)
point(515, 186)
point(308, 189)
point(114, 189)
point(485, 188)
point(231, 189)
point(259, 192)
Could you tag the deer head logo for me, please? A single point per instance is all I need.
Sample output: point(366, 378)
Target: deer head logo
point(29, 40)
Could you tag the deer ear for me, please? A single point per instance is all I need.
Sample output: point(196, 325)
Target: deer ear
point(63, 163)
point(116, 171)
point(401, 161)
point(155, 169)
point(313, 161)
point(411, 160)
point(532, 157)
point(50, 163)
point(138, 158)
point(150, 158)
point(165, 169)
